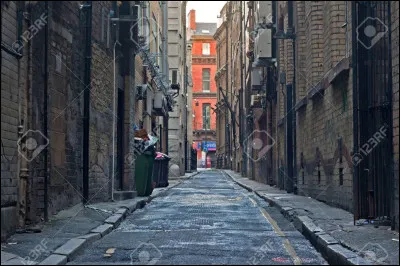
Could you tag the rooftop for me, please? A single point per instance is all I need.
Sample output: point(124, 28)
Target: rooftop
point(204, 28)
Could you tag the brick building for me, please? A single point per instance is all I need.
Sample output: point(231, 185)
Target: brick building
point(70, 99)
point(326, 95)
point(204, 89)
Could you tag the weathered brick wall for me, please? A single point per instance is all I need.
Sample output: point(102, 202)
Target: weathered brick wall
point(320, 45)
point(220, 82)
point(101, 109)
point(66, 61)
point(13, 75)
point(328, 115)
point(395, 77)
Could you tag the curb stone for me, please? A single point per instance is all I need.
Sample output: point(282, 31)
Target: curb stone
point(329, 247)
point(71, 248)
point(54, 259)
point(68, 250)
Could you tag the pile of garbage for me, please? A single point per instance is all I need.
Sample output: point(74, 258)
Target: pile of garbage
point(144, 142)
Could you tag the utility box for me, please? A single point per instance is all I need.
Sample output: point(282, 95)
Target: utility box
point(263, 44)
point(264, 12)
point(160, 104)
point(256, 78)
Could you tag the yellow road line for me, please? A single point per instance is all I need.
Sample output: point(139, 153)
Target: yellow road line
point(253, 201)
point(288, 246)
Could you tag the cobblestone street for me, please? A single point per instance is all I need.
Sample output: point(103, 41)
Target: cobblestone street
point(206, 220)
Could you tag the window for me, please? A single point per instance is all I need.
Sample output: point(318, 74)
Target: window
point(174, 78)
point(154, 33)
point(206, 80)
point(206, 116)
point(206, 49)
point(138, 9)
point(105, 27)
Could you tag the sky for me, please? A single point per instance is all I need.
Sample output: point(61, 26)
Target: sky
point(206, 11)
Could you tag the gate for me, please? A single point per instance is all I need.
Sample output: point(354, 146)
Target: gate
point(373, 166)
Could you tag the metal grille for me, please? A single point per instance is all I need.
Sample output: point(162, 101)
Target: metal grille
point(374, 174)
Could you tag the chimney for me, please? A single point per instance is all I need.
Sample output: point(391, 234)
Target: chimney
point(192, 19)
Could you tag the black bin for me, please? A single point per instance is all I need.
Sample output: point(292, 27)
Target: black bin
point(160, 171)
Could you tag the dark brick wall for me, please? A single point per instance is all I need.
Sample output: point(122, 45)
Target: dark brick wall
point(12, 100)
point(320, 45)
point(13, 74)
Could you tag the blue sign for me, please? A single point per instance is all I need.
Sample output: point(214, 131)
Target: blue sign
point(209, 145)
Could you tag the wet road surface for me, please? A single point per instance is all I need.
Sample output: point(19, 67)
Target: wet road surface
point(206, 220)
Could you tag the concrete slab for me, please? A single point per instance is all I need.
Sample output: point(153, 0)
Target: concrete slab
point(19, 261)
point(5, 256)
point(54, 259)
point(115, 220)
point(71, 248)
point(339, 254)
point(103, 229)
point(91, 237)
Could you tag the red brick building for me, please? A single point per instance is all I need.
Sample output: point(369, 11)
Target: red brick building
point(204, 67)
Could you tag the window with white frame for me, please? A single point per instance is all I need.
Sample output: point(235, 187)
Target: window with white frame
point(206, 79)
point(206, 49)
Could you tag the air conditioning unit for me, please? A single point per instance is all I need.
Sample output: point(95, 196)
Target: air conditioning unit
point(264, 12)
point(255, 101)
point(263, 44)
point(160, 104)
point(256, 78)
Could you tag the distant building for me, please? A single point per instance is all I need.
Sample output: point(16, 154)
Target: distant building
point(204, 89)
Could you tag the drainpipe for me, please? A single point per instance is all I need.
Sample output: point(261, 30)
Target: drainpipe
point(45, 108)
point(164, 41)
point(355, 110)
point(23, 173)
point(86, 101)
point(291, 30)
point(114, 127)
point(185, 81)
point(241, 89)
point(226, 85)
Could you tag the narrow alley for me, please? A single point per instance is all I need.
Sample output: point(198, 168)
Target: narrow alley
point(205, 220)
point(193, 132)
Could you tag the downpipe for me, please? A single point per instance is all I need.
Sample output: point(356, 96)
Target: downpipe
point(114, 125)
point(86, 100)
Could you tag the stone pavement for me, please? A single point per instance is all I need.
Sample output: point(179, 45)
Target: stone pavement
point(71, 230)
point(331, 230)
point(209, 220)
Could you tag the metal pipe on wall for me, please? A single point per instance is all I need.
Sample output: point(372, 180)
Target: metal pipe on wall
point(164, 41)
point(86, 101)
point(292, 32)
point(24, 172)
point(45, 107)
point(355, 110)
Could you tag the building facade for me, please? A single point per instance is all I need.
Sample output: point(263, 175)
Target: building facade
point(177, 143)
point(321, 119)
point(72, 94)
point(204, 98)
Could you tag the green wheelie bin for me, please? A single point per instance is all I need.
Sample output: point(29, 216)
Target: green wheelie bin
point(144, 173)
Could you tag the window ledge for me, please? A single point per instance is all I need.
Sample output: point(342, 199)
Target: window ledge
point(302, 103)
point(341, 68)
